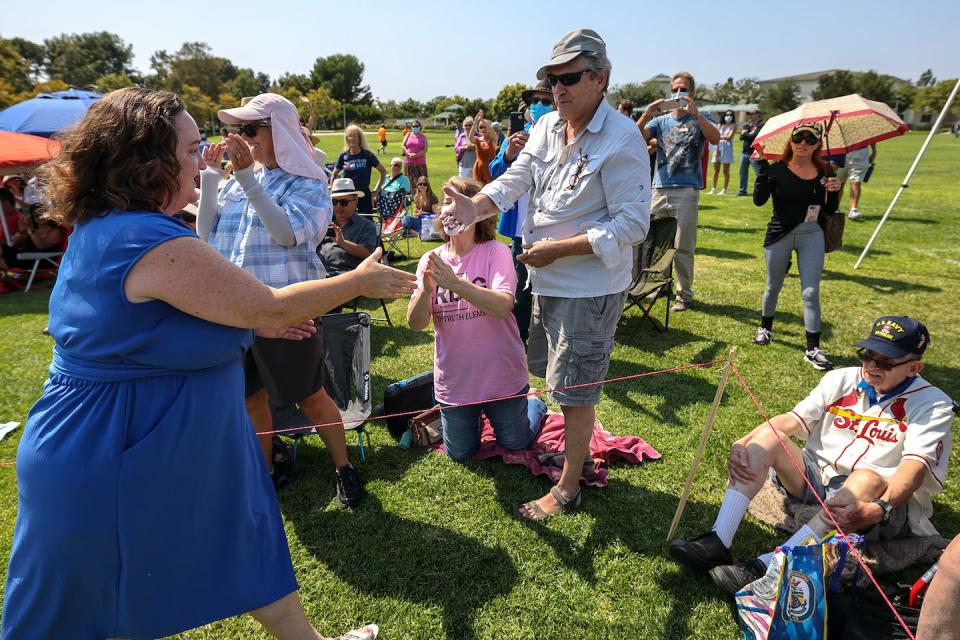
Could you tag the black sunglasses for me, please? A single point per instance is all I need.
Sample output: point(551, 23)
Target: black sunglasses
point(249, 129)
point(866, 355)
point(809, 138)
point(342, 203)
point(422, 184)
point(566, 79)
point(547, 102)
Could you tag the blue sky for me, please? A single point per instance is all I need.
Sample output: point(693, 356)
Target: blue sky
point(434, 51)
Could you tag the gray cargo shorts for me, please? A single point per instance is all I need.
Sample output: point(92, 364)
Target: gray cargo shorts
point(570, 344)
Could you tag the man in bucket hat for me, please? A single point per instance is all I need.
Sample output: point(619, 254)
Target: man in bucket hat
point(877, 448)
point(586, 170)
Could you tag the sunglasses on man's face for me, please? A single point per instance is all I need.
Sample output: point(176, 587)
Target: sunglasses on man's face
point(250, 129)
point(866, 355)
point(809, 138)
point(342, 203)
point(547, 102)
point(566, 79)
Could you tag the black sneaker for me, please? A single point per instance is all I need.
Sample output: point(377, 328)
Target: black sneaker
point(817, 358)
point(702, 553)
point(284, 465)
point(349, 489)
point(731, 578)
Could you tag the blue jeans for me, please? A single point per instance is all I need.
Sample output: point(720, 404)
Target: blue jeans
point(411, 223)
point(516, 423)
point(745, 164)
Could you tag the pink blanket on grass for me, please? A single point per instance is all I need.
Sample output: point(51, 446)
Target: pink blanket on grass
point(604, 449)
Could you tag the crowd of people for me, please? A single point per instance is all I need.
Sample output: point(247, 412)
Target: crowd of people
point(131, 525)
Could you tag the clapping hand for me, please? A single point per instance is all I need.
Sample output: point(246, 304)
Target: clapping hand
point(337, 233)
point(239, 150)
point(441, 272)
point(213, 157)
point(380, 281)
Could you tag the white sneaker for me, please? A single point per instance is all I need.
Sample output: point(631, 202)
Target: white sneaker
point(763, 336)
point(713, 191)
point(854, 214)
point(723, 192)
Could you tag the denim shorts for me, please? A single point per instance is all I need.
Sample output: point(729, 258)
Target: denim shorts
point(570, 343)
point(896, 528)
point(515, 421)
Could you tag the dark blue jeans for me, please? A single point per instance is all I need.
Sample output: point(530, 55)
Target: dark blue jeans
point(516, 422)
point(745, 164)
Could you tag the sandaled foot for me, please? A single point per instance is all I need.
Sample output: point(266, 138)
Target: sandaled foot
point(534, 511)
point(368, 632)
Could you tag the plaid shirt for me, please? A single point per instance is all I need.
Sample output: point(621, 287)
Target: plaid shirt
point(239, 235)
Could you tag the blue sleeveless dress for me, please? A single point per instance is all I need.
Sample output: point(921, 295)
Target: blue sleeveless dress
point(145, 506)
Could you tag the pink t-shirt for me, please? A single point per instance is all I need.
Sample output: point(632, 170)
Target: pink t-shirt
point(415, 143)
point(478, 356)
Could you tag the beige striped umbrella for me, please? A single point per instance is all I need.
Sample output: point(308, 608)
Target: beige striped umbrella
point(851, 122)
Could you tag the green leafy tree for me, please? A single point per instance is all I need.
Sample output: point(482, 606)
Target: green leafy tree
point(724, 92)
point(833, 85)
point(195, 65)
point(926, 79)
point(507, 100)
point(341, 74)
point(199, 105)
point(639, 93)
point(780, 97)
point(246, 82)
point(410, 108)
point(33, 53)
point(873, 86)
point(903, 97)
point(79, 59)
point(300, 81)
point(932, 99)
point(747, 90)
point(112, 82)
point(14, 69)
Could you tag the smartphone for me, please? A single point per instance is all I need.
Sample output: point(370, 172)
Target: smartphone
point(671, 104)
point(516, 122)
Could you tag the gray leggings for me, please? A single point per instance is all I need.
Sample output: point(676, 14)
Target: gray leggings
point(807, 240)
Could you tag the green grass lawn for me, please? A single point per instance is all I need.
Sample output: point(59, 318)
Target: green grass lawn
point(434, 551)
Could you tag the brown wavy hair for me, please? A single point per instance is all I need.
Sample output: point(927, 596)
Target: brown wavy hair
point(483, 231)
point(122, 155)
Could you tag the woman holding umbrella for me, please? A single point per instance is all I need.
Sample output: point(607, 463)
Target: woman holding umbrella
point(803, 195)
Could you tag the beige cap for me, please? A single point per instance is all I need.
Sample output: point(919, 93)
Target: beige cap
point(570, 46)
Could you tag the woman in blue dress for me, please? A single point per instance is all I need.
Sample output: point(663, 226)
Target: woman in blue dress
point(145, 507)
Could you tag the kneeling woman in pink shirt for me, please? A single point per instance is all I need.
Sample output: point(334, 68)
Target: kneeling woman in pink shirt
point(467, 286)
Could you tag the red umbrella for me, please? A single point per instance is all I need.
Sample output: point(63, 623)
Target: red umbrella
point(20, 150)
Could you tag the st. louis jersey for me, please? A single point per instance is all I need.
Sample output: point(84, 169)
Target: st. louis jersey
point(845, 433)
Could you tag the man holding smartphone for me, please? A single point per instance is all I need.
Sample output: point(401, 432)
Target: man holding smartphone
point(680, 134)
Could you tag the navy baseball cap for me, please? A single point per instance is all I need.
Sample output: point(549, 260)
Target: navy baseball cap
point(897, 336)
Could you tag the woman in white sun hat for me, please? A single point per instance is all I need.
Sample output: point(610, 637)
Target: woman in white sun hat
point(269, 220)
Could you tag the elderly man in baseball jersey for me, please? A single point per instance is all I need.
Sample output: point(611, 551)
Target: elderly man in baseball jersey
point(877, 446)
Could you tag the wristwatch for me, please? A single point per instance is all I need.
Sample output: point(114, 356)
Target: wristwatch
point(888, 510)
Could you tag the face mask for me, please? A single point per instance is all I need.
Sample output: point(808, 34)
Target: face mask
point(728, 119)
point(680, 94)
point(416, 129)
point(539, 110)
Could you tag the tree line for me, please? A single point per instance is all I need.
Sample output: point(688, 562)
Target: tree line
point(333, 89)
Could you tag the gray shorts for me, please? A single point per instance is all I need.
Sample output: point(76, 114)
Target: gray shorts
point(896, 528)
point(570, 344)
point(857, 163)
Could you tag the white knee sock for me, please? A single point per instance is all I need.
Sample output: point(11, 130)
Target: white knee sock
point(732, 510)
point(804, 535)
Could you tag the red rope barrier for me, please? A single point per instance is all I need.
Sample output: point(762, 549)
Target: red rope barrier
point(510, 397)
point(469, 404)
point(826, 509)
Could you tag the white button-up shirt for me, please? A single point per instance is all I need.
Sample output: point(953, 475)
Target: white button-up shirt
point(598, 184)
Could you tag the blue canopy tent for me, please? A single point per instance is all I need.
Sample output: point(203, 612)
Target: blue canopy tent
point(48, 113)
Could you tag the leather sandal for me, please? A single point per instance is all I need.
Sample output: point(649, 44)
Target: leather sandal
point(533, 512)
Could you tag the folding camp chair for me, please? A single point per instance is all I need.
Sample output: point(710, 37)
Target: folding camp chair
point(50, 258)
point(390, 224)
point(346, 347)
point(653, 270)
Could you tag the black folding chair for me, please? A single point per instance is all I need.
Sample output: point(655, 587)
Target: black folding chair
point(653, 271)
point(346, 347)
